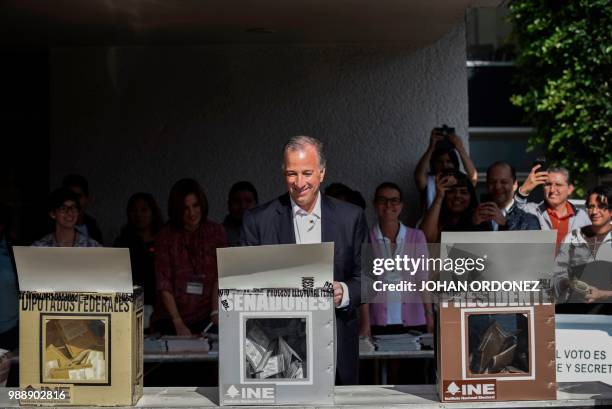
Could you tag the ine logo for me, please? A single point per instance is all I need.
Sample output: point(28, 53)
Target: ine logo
point(453, 388)
point(232, 392)
point(458, 390)
point(250, 394)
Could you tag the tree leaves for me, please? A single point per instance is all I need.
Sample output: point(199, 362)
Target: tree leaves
point(564, 67)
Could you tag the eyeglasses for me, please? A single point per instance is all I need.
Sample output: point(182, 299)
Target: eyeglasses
point(68, 209)
point(393, 201)
point(595, 207)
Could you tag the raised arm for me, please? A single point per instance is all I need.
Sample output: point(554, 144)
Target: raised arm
point(431, 221)
point(534, 179)
point(468, 165)
point(422, 168)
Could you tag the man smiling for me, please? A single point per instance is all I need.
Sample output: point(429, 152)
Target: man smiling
point(502, 212)
point(305, 215)
point(555, 212)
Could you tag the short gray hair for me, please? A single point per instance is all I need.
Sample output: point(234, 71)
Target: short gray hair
point(298, 143)
point(563, 171)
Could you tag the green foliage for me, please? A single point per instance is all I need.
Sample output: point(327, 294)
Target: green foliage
point(564, 69)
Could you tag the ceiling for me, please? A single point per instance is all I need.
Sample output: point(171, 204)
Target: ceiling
point(410, 23)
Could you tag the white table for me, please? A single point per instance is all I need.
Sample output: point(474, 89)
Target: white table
point(375, 397)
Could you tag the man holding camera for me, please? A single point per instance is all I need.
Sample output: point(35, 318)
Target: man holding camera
point(555, 212)
point(498, 207)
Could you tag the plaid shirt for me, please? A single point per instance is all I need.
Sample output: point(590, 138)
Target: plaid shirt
point(182, 258)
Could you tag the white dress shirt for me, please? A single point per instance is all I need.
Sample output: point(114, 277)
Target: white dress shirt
point(504, 211)
point(307, 229)
point(307, 226)
point(394, 304)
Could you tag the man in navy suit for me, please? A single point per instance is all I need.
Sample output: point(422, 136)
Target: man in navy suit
point(502, 213)
point(305, 215)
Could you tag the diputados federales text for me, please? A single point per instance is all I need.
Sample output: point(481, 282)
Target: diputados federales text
point(75, 302)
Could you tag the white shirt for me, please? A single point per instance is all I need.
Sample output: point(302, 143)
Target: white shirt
point(307, 230)
point(307, 226)
point(504, 211)
point(430, 190)
point(394, 305)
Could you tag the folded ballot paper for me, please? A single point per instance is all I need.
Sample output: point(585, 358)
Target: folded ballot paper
point(276, 320)
point(397, 342)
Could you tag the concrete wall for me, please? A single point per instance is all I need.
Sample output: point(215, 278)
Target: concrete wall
point(138, 119)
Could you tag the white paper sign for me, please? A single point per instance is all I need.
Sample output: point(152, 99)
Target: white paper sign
point(275, 266)
point(584, 354)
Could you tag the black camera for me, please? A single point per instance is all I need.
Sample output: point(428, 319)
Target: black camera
point(542, 162)
point(445, 131)
point(486, 197)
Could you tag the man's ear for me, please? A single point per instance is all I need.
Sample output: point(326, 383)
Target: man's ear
point(514, 186)
point(570, 188)
point(52, 215)
point(322, 175)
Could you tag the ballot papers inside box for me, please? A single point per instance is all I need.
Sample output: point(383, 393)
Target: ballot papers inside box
point(75, 348)
point(276, 348)
point(502, 353)
point(276, 316)
point(498, 342)
point(80, 325)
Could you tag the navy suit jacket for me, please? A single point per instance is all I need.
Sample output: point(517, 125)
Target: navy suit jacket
point(518, 219)
point(343, 224)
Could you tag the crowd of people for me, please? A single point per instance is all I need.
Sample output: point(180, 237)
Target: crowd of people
point(175, 260)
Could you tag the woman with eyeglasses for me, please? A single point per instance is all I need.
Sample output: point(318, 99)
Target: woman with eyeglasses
point(391, 238)
point(63, 207)
point(587, 290)
point(390, 312)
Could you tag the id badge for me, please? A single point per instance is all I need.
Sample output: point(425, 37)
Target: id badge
point(195, 288)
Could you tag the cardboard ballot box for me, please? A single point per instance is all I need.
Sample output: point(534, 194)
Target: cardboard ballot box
point(276, 317)
point(80, 327)
point(496, 353)
point(498, 345)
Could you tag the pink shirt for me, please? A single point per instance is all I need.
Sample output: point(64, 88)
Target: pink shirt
point(413, 245)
